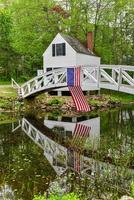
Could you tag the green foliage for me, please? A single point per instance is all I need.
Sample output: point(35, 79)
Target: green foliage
point(6, 118)
point(39, 197)
point(28, 27)
point(55, 101)
point(118, 96)
point(108, 98)
point(70, 196)
point(132, 189)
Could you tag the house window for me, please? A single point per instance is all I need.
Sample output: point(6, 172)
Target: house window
point(59, 49)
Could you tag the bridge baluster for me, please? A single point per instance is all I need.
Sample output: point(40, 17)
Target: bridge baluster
point(114, 74)
point(29, 88)
point(36, 84)
point(119, 78)
point(44, 80)
point(55, 78)
point(98, 76)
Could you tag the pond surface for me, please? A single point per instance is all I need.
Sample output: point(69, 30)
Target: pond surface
point(90, 155)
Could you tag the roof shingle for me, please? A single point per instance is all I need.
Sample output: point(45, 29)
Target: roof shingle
point(76, 45)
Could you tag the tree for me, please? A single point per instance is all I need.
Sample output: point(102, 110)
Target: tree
point(7, 54)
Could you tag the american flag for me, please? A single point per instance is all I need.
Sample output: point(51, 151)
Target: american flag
point(73, 78)
point(73, 82)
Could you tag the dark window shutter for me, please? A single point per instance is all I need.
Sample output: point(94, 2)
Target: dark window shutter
point(53, 49)
point(64, 49)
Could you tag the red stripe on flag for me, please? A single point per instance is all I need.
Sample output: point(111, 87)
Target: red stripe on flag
point(81, 132)
point(77, 76)
point(77, 162)
point(79, 98)
point(74, 96)
point(81, 129)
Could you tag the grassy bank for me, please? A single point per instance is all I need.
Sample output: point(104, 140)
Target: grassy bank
point(64, 104)
point(8, 97)
point(6, 118)
point(108, 97)
point(7, 91)
point(119, 96)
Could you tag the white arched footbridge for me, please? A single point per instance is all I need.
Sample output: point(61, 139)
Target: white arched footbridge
point(113, 77)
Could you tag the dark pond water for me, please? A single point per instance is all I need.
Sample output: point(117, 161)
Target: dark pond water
point(90, 155)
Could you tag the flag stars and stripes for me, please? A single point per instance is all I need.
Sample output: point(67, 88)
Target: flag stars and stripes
point(73, 81)
point(81, 132)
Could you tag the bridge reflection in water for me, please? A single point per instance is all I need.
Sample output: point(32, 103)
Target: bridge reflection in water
point(66, 145)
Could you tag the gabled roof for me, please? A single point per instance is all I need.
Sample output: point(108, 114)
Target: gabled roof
point(76, 45)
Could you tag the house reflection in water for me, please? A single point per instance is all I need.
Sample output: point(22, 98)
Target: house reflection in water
point(66, 143)
point(80, 135)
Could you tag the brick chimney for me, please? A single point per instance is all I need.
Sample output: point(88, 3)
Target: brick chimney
point(90, 44)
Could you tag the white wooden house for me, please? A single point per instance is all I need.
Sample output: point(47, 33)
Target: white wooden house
point(65, 51)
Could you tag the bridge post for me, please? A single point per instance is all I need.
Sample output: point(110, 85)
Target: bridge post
point(21, 91)
point(59, 93)
point(29, 88)
point(119, 78)
point(36, 84)
point(55, 76)
point(98, 76)
point(114, 74)
point(74, 119)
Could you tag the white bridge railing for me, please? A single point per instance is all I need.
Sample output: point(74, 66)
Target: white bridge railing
point(117, 77)
point(46, 81)
point(15, 85)
point(114, 77)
